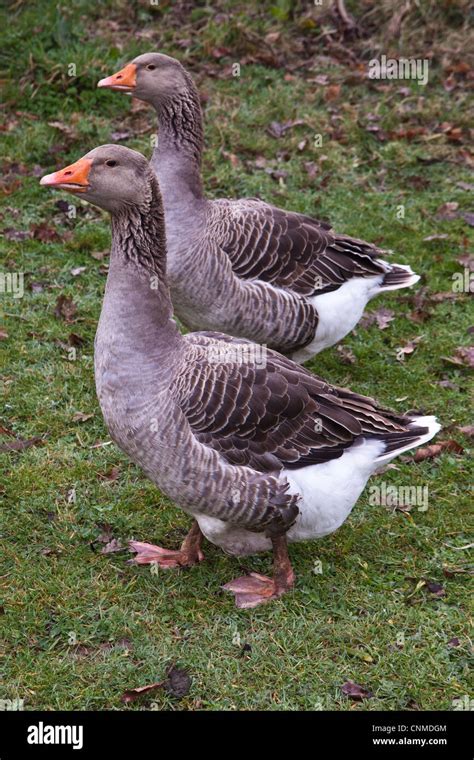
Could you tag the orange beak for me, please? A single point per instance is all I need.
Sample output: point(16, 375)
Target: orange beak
point(125, 79)
point(73, 178)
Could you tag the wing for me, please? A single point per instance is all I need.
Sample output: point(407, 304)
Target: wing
point(287, 249)
point(262, 410)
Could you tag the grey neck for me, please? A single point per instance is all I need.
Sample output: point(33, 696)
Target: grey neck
point(178, 154)
point(137, 305)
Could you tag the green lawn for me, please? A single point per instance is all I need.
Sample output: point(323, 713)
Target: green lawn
point(78, 626)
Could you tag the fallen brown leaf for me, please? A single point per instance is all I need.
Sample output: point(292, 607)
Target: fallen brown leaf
point(383, 317)
point(356, 691)
point(445, 295)
point(332, 92)
point(464, 356)
point(467, 430)
point(466, 260)
point(16, 235)
point(44, 233)
point(177, 684)
point(311, 169)
point(81, 417)
point(436, 589)
point(66, 129)
point(407, 349)
point(442, 236)
point(447, 211)
point(75, 340)
point(112, 546)
point(111, 474)
point(277, 129)
point(20, 444)
point(100, 255)
point(435, 449)
point(131, 695)
point(346, 355)
point(65, 308)
point(448, 384)
point(468, 217)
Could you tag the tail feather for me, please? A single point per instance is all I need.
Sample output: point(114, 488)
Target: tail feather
point(399, 276)
point(421, 430)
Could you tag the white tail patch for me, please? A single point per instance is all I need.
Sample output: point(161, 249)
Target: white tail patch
point(433, 427)
point(411, 280)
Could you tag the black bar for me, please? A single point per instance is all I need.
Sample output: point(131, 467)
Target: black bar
point(136, 733)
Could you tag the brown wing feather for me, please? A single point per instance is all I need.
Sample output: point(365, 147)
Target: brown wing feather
point(289, 250)
point(271, 416)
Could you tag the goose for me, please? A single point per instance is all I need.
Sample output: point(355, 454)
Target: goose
point(245, 267)
point(259, 451)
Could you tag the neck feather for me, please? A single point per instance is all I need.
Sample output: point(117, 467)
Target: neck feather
point(138, 253)
point(138, 233)
point(178, 155)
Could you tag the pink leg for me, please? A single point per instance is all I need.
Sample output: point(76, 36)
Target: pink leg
point(254, 589)
point(189, 554)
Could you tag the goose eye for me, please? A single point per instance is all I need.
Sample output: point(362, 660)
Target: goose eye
point(151, 67)
point(110, 162)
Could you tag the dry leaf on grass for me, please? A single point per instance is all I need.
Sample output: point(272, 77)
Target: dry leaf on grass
point(112, 546)
point(435, 449)
point(332, 92)
point(454, 642)
point(75, 340)
point(445, 295)
point(100, 255)
point(20, 444)
point(441, 236)
point(65, 308)
point(467, 430)
point(407, 349)
point(177, 684)
point(44, 233)
point(448, 384)
point(16, 235)
point(356, 691)
point(436, 589)
point(466, 260)
point(81, 417)
point(346, 355)
point(447, 212)
point(381, 317)
point(464, 357)
point(277, 129)
point(110, 475)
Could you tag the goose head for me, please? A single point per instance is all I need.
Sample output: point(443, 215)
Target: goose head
point(150, 77)
point(110, 176)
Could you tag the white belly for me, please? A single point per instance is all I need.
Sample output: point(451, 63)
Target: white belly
point(327, 493)
point(338, 313)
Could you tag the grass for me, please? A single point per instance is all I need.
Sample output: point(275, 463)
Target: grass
point(80, 627)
